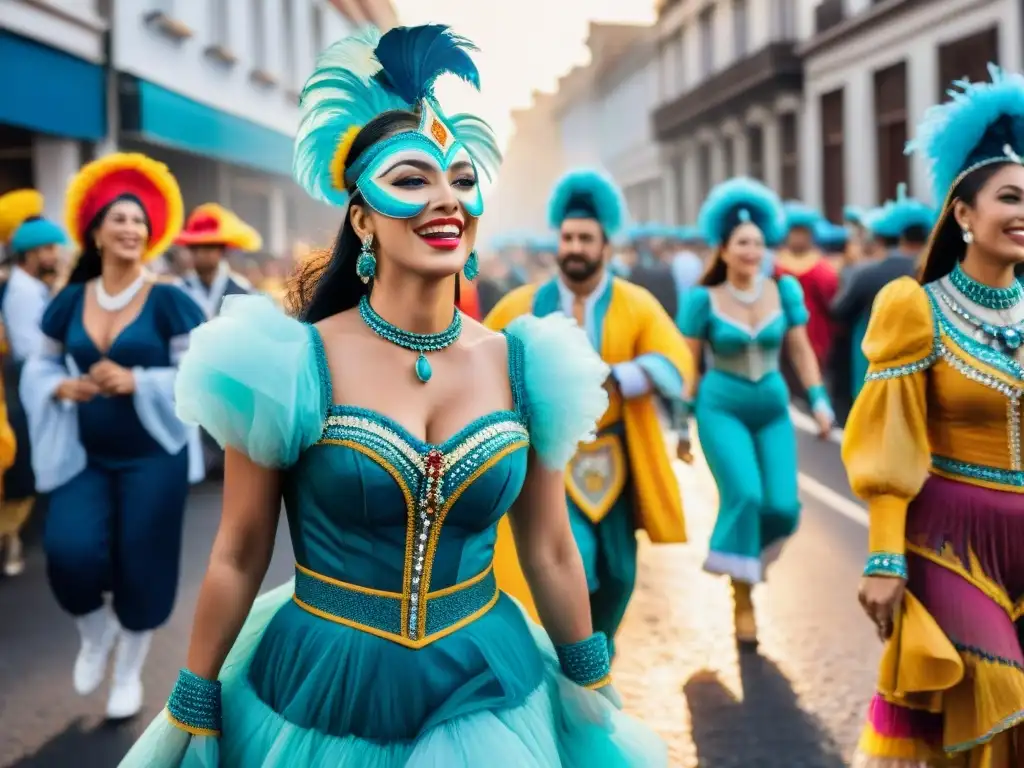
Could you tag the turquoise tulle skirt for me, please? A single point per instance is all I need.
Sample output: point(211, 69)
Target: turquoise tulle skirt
point(303, 692)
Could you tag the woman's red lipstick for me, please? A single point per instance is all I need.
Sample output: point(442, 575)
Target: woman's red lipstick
point(443, 241)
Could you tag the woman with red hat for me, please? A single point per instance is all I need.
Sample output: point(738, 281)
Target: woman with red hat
point(210, 232)
point(100, 406)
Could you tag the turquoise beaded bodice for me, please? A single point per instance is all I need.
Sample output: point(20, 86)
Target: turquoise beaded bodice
point(375, 507)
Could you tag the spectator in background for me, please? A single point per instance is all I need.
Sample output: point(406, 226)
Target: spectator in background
point(34, 246)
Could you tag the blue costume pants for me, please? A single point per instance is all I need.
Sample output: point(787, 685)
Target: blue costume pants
point(116, 527)
point(749, 442)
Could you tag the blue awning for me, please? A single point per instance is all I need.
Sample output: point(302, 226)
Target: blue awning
point(164, 117)
point(51, 91)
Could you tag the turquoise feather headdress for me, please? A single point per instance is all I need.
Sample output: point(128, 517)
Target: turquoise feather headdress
point(829, 236)
point(587, 194)
point(367, 74)
point(738, 200)
point(982, 123)
point(800, 215)
point(897, 216)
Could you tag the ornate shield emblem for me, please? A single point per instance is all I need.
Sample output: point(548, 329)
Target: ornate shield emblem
point(596, 476)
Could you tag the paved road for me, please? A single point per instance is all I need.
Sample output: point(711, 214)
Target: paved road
point(796, 704)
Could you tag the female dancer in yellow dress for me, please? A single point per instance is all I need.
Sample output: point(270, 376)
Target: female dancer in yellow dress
point(933, 445)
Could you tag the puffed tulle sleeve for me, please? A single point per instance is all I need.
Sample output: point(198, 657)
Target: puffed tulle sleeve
point(791, 296)
point(252, 379)
point(561, 379)
point(885, 446)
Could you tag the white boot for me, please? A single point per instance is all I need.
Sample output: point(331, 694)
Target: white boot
point(98, 631)
point(126, 691)
point(14, 564)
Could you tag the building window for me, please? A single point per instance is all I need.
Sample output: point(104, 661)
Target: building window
point(755, 152)
point(729, 156)
point(707, 41)
point(739, 28)
point(967, 58)
point(891, 121)
point(316, 18)
point(790, 159)
point(783, 19)
point(288, 68)
point(219, 22)
point(258, 26)
point(704, 170)
point(833, 177)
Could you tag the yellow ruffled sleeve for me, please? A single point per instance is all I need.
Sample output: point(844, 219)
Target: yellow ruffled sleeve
point(885, 447)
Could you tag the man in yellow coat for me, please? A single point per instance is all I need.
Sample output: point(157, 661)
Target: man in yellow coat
point(623, 481)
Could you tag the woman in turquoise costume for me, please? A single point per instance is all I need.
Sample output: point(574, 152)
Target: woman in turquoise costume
point(397, 433)
point(741, 402)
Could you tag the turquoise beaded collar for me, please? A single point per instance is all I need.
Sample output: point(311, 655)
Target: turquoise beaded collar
point(415, 342)
point(983, 295)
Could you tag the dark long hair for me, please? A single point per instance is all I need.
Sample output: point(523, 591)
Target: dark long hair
point(327, 283)
point(946, 248)
point(716, 271)
point(90, 263)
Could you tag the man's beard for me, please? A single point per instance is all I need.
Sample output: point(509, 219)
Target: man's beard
point(44, 272)
point(577, 268)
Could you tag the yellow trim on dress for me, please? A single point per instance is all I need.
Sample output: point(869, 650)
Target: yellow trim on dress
point(190, 728)
point(423, 641)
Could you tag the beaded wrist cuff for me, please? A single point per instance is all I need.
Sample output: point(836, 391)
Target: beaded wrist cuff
point(586, 663)
point(886, 564)
point(194, 705)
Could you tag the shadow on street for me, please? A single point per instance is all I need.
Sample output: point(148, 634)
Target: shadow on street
point(766, 728)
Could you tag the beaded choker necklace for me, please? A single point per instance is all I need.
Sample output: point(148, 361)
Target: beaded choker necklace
point(983, 295)
point(414, 342)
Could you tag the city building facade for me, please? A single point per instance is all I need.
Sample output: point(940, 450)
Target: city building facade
point(871, 69)
point(730, 96)
point(208, 86)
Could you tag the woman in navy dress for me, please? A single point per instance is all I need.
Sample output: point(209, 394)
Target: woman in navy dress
point(106, 442)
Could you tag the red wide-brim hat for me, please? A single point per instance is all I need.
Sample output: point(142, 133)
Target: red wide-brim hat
point(104, 180)
point(212, 224)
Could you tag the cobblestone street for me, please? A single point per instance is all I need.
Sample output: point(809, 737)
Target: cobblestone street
point(795, 704)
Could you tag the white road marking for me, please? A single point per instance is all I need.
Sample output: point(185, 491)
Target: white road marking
point(821, 492)
point(807, 424)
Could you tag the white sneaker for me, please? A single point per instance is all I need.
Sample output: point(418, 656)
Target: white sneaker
point(14, 564)
point(98, 631)
point(126, 691)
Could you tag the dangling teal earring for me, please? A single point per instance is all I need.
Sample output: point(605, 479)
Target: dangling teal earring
point(472, 268)
point(366, 264)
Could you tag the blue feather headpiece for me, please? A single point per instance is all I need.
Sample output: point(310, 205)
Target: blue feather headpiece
point(800, 215)
point(587, 194)
point(36, 233)
point(687, 233)
point(983, 123)
point(897, 216)
point(829, 236)
point(853, 214)
point(738, 200)
point(359, 78)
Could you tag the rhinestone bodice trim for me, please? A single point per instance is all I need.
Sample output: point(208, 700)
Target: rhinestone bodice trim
point(966, 355)
point(431, 477)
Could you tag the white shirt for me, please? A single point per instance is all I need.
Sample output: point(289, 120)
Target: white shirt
point(24, 304)
point(632, 380)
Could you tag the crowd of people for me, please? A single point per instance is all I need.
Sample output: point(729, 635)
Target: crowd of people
point(466, 448)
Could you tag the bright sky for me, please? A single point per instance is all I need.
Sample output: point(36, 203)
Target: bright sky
point(525, 45)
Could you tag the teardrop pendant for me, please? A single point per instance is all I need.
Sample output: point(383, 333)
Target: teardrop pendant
point(423, 369)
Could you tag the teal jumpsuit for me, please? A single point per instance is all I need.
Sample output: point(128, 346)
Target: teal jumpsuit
point(746, 434)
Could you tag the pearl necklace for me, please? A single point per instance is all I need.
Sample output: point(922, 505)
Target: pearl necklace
point(118, 301)
point(746, 297)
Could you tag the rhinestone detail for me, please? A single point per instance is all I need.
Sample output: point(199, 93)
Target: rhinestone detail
point(414, 342)
point(886, 564)
point(983, 295)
